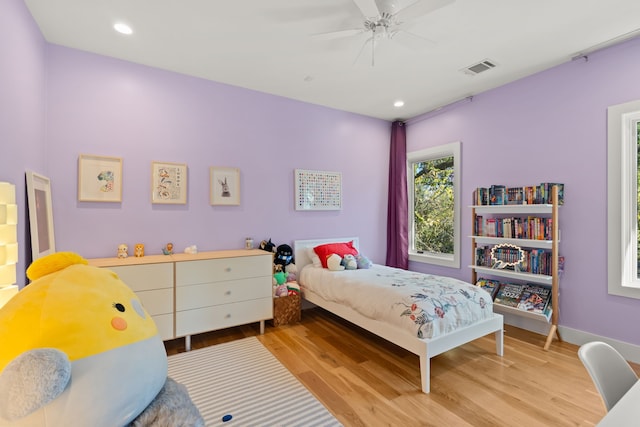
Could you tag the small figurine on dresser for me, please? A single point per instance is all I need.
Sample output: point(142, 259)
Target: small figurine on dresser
point(193, 249)
point(138, 250)
point(123, 251)
point(168, 250)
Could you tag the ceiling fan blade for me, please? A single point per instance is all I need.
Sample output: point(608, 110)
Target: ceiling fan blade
point(410, 40)
point(362, 49)
point(369, 8)
point(419, 8)
point(338, 34)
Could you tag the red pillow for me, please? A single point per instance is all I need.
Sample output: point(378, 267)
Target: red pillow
point(342, 249)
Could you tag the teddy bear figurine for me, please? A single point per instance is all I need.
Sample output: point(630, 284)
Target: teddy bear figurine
point(123, 251)
point(138, 250)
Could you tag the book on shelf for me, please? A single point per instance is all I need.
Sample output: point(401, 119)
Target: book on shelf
point(481, 196)
point(535, 298)
point(497, 195)
point(515, 196)
point(528, 195)
point(545, 190)
point(509, 294)
point(489, 285)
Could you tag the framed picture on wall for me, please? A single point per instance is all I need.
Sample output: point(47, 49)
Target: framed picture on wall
point(169, 183)
point(317, 190)
point(224, 186)
point(99, 178)
point(40, 215)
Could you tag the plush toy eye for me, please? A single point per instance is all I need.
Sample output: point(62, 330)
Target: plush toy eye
point(119, 307)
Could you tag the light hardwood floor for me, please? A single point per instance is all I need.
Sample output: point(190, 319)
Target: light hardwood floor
point(366, 381)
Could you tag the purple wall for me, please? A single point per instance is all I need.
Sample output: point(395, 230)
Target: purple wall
point(548, 127)
point(22, 103)
point(102, 106)
point(551, 127)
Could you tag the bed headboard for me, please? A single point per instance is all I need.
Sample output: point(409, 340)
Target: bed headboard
point(300, 248)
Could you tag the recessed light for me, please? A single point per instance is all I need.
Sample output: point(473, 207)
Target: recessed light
point(122, 28)
point(398, 104)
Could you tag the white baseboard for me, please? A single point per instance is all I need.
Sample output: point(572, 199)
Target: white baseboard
point(631, 352)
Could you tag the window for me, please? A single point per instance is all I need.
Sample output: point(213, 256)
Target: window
point(434, 205)
point(623, 199)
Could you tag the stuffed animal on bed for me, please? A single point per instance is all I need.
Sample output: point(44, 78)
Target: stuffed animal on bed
point(349, 262)
point(78, 349)
point(363, 262)
point(334, 262)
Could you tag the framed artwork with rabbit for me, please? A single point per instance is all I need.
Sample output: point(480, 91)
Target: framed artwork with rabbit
point(224, 186)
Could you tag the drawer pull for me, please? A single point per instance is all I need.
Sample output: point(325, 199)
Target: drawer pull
point(228, 269)
point(228, 316)
point(228, 293)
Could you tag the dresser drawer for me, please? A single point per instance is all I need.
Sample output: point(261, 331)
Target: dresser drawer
point(159, 301)
point(164, 323)
point(223, 316)
point(147, 276)
point(208, 294)
point(222, 269)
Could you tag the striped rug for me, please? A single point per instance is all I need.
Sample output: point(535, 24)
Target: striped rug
point(244, 380)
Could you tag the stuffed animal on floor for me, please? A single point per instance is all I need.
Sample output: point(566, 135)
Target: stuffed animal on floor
point(78, 349)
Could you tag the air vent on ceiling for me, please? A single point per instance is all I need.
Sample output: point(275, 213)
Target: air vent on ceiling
point(478, 68)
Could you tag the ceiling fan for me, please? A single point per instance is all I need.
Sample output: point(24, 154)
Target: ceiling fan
point(383, 20)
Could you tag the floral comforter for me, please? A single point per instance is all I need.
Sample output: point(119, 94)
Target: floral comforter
point(427, 305)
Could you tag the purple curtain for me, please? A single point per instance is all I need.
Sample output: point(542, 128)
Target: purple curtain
point(398, 208)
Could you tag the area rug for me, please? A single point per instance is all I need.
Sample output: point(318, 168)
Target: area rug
point(241, 383)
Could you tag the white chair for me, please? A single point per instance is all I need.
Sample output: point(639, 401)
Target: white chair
point(609, 371)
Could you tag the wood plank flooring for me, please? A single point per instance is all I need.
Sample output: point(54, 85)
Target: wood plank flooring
point(366, 381)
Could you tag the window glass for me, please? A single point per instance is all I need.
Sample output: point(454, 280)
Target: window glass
point(433, 183)
point(623, 249)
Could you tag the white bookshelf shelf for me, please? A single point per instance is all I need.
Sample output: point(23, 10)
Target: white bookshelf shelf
point(527, 243)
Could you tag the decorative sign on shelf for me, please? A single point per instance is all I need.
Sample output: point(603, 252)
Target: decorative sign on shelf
point(507, 256)
point(317, 190)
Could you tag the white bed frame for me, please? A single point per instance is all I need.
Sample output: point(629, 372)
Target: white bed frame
point(424, 348)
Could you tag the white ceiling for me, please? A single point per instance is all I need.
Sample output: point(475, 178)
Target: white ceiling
point(272, 45)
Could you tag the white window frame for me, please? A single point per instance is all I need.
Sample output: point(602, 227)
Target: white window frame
point(452, 149)
point(622, 193)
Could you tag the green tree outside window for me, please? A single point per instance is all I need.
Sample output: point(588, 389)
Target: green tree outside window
point(434, 206)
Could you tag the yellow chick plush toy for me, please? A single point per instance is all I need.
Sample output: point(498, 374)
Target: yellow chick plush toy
point(77, 349)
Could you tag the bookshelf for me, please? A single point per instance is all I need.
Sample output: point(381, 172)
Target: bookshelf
point(516, 271)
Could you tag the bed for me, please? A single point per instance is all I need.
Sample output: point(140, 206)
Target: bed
point(433, 341)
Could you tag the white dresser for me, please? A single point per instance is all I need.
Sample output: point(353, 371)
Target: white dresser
point(188, 294)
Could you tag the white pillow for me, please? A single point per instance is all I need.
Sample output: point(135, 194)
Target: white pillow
point(314, 257)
